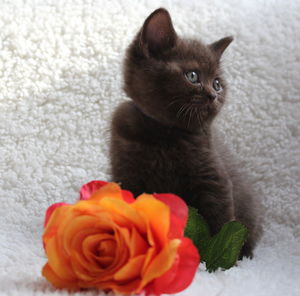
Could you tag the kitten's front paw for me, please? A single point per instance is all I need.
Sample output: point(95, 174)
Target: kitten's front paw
point(246, 251)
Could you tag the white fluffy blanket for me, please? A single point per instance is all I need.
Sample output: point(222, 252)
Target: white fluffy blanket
point(60, 80)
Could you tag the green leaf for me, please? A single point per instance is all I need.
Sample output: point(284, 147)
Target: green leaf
point(223, 248)
point(197, 230)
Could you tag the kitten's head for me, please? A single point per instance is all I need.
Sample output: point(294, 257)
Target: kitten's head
point(175, 81)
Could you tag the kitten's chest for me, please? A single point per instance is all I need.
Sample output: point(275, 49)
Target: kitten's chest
point(171, 165)
point(173, 156)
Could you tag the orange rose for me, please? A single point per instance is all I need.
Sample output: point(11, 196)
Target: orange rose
point(111, 241)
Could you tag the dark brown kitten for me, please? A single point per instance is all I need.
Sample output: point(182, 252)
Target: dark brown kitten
point(162, 140)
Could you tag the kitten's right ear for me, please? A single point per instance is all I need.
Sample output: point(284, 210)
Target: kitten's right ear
point(158, 34)
point(219, 46)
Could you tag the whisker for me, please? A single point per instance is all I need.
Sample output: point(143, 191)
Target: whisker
point(180, 99)
point(187, 110)
point(199, 118)
point(191, 114)
point(181, 111)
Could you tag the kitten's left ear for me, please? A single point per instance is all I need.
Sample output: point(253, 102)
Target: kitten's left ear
point(219, 46)
point(158, 34)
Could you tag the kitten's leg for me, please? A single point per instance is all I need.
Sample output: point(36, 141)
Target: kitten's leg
point(246, 214)
point(215, 203)
point(219, 209)
point(247, 249)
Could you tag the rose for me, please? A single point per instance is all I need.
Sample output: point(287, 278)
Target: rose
point(111, 241)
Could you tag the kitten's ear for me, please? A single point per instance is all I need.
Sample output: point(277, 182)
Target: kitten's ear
point(219, 46)
point(158, 34)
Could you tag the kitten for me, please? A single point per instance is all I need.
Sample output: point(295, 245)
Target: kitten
point(162, 140)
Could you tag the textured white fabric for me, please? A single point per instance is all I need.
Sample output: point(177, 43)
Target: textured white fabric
point(60, 80)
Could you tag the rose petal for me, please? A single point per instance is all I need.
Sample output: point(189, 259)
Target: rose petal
point(150, 255)
point(89, 188)
point(181, 274)
point(131, 270)
point(54, 221)
point(56, 281)
point(138, 245)
point(111, 190)
point(79, 224)
point(120, 209)
point(179, 213)
point(128, 196)
point(161, 263)
point(58, 263)
point(82, 272)
point(50, 210)
point(157, 214)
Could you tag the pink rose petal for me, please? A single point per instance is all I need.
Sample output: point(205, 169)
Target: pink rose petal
point(179, 212)
point(89, 188)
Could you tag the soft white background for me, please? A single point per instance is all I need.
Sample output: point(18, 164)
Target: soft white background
point(60, 80)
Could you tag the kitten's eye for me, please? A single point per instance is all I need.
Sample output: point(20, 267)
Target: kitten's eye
point(217, 85)
point(192, 77)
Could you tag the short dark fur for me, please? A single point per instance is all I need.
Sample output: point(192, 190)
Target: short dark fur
point(162, 140)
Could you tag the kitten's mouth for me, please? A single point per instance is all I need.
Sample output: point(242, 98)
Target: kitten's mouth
point(197, 99)
point(202, 100)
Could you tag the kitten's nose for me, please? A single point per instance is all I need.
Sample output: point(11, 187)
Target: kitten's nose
point(212, 96)
point(209, 93)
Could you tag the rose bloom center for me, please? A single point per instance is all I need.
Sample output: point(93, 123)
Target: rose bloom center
point(100, 249)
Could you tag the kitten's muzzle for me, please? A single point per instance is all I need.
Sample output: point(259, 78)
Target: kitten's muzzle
point(209, 93)
point(212, 96)
point(206, 97)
